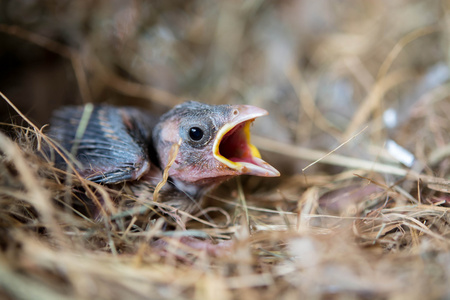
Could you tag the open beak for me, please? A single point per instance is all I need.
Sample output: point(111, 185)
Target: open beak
point(232, 145)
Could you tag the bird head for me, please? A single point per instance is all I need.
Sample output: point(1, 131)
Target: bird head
point(215, 143)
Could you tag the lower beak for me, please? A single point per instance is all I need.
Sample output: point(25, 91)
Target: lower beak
point(232, 145)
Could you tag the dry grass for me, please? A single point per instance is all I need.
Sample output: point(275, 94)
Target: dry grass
point(356, 76)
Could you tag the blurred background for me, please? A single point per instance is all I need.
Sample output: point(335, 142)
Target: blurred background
point(323, 69)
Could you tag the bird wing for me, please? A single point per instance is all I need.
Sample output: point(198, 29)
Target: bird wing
point(113, 147)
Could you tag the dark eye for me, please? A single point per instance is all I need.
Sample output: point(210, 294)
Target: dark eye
point(195, 133)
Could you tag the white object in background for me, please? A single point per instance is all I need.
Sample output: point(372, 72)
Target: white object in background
point(390, 118)
point(400, 153)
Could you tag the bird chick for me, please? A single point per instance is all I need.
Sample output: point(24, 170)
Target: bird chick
point(127, 144)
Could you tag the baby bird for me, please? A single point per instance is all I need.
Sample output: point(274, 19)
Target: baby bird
point(128, 144)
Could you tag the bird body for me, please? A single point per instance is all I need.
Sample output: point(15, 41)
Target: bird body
point(127, 144)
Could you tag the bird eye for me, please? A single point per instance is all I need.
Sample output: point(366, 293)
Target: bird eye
point(195, 133)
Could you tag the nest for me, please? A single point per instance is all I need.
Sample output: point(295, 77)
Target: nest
point(358, 98)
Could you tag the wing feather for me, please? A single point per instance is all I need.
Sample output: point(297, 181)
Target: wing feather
point(113, 148)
